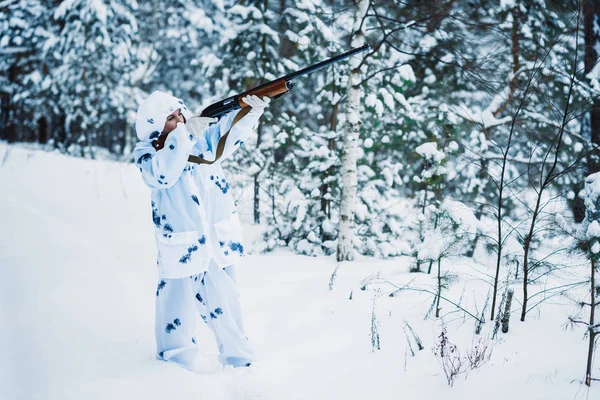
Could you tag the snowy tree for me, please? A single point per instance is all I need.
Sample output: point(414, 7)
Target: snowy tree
point(588, 237)
point(91, 60)
point(590, 128)
point(590, 234)
point(25, 31)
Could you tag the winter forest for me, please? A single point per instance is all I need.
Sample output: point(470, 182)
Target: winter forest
point(467, 135)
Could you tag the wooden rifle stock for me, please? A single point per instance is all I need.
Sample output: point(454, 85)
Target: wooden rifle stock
point(273, 89)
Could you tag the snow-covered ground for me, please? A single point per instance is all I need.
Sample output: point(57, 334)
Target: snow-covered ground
point(77, 306)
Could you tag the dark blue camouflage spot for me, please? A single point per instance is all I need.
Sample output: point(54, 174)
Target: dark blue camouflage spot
point(187, 257)
point(172, 147)
point(213, 316)
point(199, 298)
point(161, 286)
point(168, 228)
point(218, 311)
point(221, 244)
point(195, 198)
point(191, 137)
point(170, 327)
point(202, 240)
point(154, 135)
point(236, 246)
point(224, 188)
point(144, 157)
point(150, 121)
point(155, 216)
point(194, 340)
point(177, 322)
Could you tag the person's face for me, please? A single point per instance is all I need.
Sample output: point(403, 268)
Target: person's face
point(172, 120)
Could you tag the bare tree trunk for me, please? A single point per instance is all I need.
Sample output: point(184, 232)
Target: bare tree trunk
point(259, 134)
point(515, 52)
point(345, 248)
point(591, 125)
point(592, 333)
point(550, 177)
point(591, 18)
point(513, 88)
point(324, 189)
point(506, 315)
point(256, 183)
point(439, 281)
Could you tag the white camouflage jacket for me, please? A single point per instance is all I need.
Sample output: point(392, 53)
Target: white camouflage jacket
point(193, 210)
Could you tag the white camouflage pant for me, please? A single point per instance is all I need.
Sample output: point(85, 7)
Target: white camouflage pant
point(213, 294)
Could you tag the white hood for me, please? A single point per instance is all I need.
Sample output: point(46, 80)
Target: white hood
point(153, 112)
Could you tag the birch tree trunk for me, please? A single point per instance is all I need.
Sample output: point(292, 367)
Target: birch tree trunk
point(345, 248)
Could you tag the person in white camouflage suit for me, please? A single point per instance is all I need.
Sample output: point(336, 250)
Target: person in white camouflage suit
point(197, 228)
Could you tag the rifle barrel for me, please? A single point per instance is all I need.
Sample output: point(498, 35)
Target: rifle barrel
point(325, 63)
point(313, 68)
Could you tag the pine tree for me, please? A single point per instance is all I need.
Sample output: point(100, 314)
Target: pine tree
point(91, 60)
point(24, 30)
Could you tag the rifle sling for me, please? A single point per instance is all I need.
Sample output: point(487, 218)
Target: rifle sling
point(221, 144)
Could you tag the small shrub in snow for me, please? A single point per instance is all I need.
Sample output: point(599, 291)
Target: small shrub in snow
point(375, 343)
point(451, 360)
point(449, 356)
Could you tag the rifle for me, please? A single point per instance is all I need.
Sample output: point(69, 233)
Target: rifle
point(273, 89)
